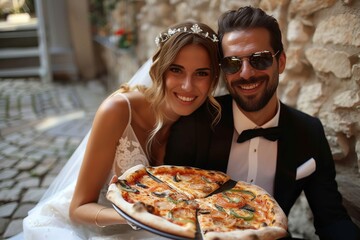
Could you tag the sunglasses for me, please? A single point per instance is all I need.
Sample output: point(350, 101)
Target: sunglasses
point(259, 60)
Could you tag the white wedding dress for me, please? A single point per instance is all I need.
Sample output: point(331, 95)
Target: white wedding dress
point(50, 218)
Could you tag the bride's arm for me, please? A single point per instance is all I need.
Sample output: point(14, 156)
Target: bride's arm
point(109, 124)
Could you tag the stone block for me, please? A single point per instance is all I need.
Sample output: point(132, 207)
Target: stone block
point(23, 209)
point(6, 210)
point(33, 195)
point(13, 228)
point(8, 195)
point(328, 60)
point(8, 173)
point(343, 29)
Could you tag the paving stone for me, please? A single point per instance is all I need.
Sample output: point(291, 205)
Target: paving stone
point(66, 153)
point(8, 173)
point(13, 228)
point(6, 163)
point(48, 152)
point(40, 170)
point(36, 156)
point(28, 183)
point(49, 160)
point(23, 209)
point(24, 141)
point(44, 143)
point(8, 195)
point(9, 150)
point(13, 138)
point(2, 122)
point(28, 115)
point(23, 175)
point(14, 113)
point(28, 150)
point(33, 195)
point(74, 143)
point(7, 209)
point(57, 168)
point(60, 141)
point(3, 224)
point(25, 165)
point(7, 184)
point(3, 144)
point(30, 133)
point(20, 154)
point(14, 159)
point(48, 180)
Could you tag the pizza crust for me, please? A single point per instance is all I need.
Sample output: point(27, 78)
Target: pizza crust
point(131, 170)
point(265, 233)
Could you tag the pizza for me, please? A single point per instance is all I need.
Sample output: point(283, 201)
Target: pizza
point(193, 182)
point(182, 201)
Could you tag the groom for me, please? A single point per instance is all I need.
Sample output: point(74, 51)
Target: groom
point(288, 153)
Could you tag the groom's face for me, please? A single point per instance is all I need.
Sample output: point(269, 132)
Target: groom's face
point(251, 88)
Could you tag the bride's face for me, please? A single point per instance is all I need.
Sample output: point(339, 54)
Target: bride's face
point(188, 80)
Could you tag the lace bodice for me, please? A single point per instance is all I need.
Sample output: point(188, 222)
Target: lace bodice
point(129, 151)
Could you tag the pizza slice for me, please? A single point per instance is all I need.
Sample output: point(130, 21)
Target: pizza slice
point(243, 212)
point(153, 203)
point(191, 181)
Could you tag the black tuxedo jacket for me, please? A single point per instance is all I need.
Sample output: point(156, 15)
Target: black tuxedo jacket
point(194, 142)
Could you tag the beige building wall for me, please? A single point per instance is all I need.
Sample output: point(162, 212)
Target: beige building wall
point(81, 37)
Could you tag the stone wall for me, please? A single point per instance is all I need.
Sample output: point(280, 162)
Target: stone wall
point(322, 76)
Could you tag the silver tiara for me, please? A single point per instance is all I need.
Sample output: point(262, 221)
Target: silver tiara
point(163, 37)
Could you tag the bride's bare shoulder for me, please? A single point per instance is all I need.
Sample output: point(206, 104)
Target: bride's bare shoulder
point(117, 104)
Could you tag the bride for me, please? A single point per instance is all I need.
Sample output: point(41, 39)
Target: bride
point(130, 127)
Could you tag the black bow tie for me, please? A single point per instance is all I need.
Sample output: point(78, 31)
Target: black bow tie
point(271, 134)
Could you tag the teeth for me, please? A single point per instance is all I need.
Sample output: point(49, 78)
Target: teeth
point(186, 99)
point(250, 86)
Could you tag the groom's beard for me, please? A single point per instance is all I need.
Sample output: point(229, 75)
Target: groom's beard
point(250, 104)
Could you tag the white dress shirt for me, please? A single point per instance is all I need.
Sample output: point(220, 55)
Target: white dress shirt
point(253, 161)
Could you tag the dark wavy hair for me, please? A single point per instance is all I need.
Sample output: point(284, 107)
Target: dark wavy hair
point(247, 18)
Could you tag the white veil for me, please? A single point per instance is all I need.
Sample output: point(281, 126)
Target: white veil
point(142, 76)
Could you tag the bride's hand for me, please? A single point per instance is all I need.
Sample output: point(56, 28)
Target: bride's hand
point(114, 179)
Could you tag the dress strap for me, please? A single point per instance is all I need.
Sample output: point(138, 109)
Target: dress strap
point(129, 105)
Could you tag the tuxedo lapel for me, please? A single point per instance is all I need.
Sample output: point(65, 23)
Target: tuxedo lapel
point(203, 136)
point(286, 166)
point(222, 136)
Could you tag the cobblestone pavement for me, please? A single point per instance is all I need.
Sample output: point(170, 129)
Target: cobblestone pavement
point(40, 126)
